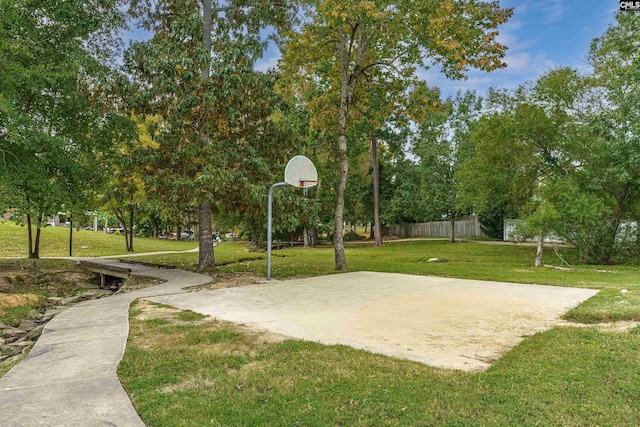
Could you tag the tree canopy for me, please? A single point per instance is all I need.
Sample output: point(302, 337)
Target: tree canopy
point(196, 72)
point(189, 125)
point(55, 61)
point(340, 45)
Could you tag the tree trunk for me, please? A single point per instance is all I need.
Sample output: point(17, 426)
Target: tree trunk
point(127, 242)
point(155, 229)
point(123, 224)
point(30, 238)
point(106, 224)
point(36, 247)
point(310, 237)
point(71, 235)
point(131, 214)
point(120, 216)
point(452, 228)
point(179, 233)
point(539, 246)
point(376, 190)
point(205, 232)
point(338, 228)
point(205, 239)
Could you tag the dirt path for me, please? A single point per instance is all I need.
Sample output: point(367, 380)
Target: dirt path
point(445, 322)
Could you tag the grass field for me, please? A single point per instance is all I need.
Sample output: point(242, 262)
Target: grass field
point(183, 370)
point(216, 373)
point(54, 242)
point(195, 373)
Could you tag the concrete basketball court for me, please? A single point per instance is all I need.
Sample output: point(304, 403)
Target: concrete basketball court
point(444, 322)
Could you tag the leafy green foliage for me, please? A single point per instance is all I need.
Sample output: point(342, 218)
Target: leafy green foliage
point(611, 173)
point(216, 141)
point(352, 236)
point(492, 218)
point(442, 147)
point(341, 49)
point(563, 153)
point(51, 119)
point(407, 202)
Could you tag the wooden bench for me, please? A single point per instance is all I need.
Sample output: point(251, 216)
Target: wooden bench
point(106, 271)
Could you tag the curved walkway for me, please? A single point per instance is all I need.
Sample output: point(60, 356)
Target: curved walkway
point(69, 377)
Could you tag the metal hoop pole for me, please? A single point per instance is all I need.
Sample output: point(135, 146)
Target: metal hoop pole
point(279, 184)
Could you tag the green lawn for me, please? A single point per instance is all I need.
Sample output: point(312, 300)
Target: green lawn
point(183, 370)
point(181, 373)
point(54, 241)
point(194, 373)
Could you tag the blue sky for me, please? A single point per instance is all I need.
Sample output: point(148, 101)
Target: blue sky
point(541, 35)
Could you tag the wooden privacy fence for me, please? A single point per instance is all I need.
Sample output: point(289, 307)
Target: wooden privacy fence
point(463, 228)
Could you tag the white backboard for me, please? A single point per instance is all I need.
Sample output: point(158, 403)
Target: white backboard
point(300, 172)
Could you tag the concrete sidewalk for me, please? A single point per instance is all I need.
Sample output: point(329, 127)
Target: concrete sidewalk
point(69, 377)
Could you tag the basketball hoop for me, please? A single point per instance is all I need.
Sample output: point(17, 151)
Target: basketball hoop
point(306, 183)
point(301, 173)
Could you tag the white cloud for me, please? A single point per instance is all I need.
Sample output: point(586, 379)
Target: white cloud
point(270, 58)
point(431, 76)
point(508, 36)
point(524, 63)
point(525, 59)
point(553, 9)
point(518, 61)
point(477, 80)
point(477, 83)
point(267, 63)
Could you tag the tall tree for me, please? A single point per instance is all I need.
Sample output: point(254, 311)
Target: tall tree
point(442, 146)
point(341, 43)
point(585, 128)
point(387, 106)
point(124, 190)
point(197, 72)
point(607, 183)
point(532, 141)
point(55, 62)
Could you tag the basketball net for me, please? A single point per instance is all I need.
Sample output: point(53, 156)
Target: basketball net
point(306, 184)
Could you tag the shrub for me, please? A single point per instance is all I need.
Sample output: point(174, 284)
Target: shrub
point(352, 236)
